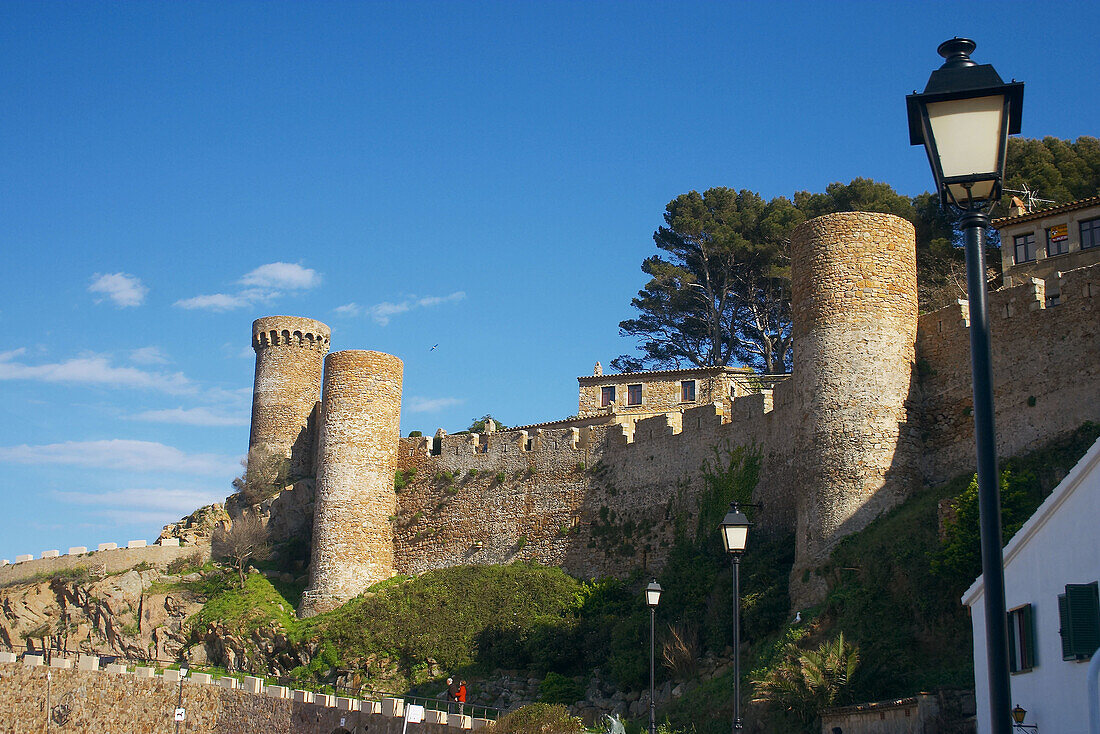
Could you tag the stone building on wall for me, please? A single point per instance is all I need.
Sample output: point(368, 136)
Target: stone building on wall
point(629, 397)
point(877, 404)
point(1041, 243)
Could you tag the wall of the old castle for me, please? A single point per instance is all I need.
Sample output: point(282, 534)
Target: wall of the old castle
point(290, 353)
point(596, 501)
point(854, 313)
point(1046, 370)
point(352, 544)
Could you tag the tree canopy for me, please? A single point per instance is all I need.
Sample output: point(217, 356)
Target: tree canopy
point(718, 289)
point(720, 294)
point(1055, 169)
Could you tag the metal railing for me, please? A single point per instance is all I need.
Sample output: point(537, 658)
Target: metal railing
point(479, 711)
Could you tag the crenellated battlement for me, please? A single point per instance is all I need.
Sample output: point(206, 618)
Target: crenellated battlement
point(290, 331)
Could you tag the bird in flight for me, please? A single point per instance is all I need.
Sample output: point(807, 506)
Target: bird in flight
point(433, 347)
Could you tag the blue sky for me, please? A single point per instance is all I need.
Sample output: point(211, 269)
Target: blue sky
point(485, 176)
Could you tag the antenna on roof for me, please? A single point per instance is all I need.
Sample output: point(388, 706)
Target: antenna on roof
point(1030, 196)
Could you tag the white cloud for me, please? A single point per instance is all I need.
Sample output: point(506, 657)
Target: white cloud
point(282, 275)
point(381, 312)
point(261, 285)
point(123, 290)
point(192, 417)
point(416, 404)
point(348, 309)
point(148, 355)
point(92, 369)
point(122, 455)
point(214, 302)
point(177, 501)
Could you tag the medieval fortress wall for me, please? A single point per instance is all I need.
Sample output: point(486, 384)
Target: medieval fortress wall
point(876, 405)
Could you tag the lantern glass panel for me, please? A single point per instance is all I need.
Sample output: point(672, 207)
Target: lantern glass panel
point(968, 135)
point(735, 537)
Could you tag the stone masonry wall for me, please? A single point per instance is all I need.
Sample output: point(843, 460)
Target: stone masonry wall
point(661, 391)
point(1046, 370)
point(360, 424)
point(290, 353)
point(104, 561)
point(596, 501)
point(97, 702)
point(854, 313)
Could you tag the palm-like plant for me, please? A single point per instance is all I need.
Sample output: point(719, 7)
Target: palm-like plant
point(804, 682)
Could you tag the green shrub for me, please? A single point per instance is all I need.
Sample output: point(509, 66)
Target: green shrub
point(500, 477)
point(415, 434)
point(557, 688)
point(537, 718)
point(472, 473)
point(580, 466)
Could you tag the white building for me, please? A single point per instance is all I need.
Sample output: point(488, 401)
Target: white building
point(1052, 566)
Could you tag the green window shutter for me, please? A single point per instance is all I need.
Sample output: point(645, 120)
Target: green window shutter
point(1083, 612)
point(1064, 628)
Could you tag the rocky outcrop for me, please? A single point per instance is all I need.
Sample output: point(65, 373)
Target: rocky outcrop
point(133, 614)
point(198, 527)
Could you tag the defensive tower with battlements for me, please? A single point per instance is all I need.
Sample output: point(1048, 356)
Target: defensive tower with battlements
point(357, 452)
point(290, 353)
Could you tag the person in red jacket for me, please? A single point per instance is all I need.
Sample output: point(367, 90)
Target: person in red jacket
point(462, 698)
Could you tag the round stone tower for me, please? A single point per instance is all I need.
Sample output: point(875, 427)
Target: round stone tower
point(360, 426)
point(290, 353)
point(854, 312)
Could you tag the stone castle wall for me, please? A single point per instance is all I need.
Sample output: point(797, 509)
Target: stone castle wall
point(360, 422)
point(1046, 370)
point(596, 501)
point(290, 354)
point(854, 314)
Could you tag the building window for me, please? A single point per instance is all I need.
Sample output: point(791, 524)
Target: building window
point(1025, 247)
point(607, 396)
point(1079, 615)
point(687, 391)
point(1090, 234)
point(1058, 240)
point(633, 394)
point(1021, 639)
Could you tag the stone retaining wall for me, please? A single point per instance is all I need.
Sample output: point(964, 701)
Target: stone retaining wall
point(124, 703)
point(113, 560)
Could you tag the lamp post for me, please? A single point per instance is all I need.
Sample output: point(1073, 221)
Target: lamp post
point(652, 598)
point(735, 534)
point(963, 118)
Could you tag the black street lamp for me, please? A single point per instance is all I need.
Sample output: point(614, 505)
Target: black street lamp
point(735, 535)
point(963, 118)
point(652, 598)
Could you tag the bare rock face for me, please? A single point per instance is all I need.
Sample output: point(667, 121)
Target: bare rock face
point(198, 527)
point(122, 614)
